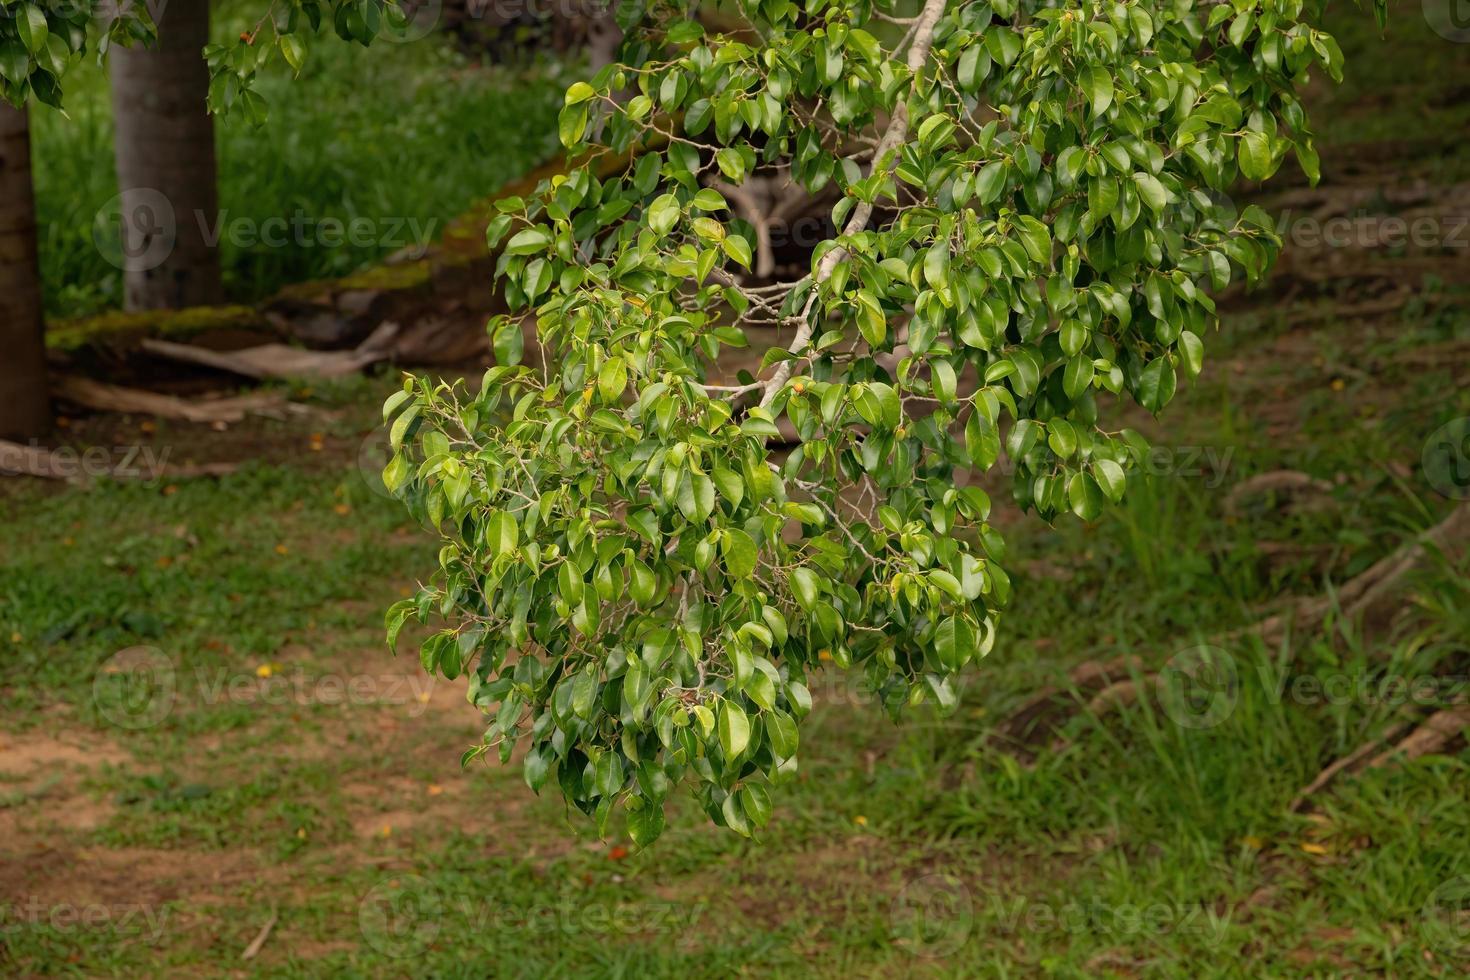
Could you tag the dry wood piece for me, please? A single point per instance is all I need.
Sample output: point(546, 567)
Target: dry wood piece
point(283, 360)
point(31, 461)
point(112, 398)
point(267, 360)
point(261, 936)
point(1350, 762)
point(1434, 734)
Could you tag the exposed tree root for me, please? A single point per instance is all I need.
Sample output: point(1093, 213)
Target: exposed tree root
point(1372, 597)
point(1351, 762)
point(1042, 716)
point(1427, 737)
point(1281, 482)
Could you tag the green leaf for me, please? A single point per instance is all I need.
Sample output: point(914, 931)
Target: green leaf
point(1152, 191)
point(740, 552)
point(643, 584)
point(30, 24)
point(738, 249)
point(1097, 85)
point(782, 732)
point(936, 265)
point(1110, 478)
point(731, 164)
point(990, 181)
point(571, 123)
point(507, 341)
point(1256, 159)
point(663, 214)
point(528, 241)
point(645, 825)
point(537, 768)
point(755, 800)
point(733, 728)
point(734, 816)
point(872, 323)
point(502, 533)
point(1085, 496)
point(1061, 437)
point(954, 643)
point(1156, 384)
point(982, 441)
point(15, 61)
point(612, 379)
point(294, 51)
point(804, 583)
point(579, 92)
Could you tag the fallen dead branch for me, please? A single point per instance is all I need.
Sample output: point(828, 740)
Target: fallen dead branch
point(282, 360)
point(113, 398)
point(1347, 762)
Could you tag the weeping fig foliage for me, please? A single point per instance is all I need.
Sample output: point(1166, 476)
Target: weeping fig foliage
point(645, 558)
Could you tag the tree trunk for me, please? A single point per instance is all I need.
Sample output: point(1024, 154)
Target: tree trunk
point(25, 410)
point(166, 164)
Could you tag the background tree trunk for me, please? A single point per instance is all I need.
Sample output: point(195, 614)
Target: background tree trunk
point(166, 163)
point(25, 410)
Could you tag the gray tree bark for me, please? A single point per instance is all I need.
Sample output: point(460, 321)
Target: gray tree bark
point(25, 409)
point(166, 163)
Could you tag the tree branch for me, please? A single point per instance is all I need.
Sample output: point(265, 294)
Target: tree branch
point(893, 137)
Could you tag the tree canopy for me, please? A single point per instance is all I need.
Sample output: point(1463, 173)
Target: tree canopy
point(1030, 215)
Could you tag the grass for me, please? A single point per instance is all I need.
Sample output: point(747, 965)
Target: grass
point(403, 137)
point(1141, 846)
